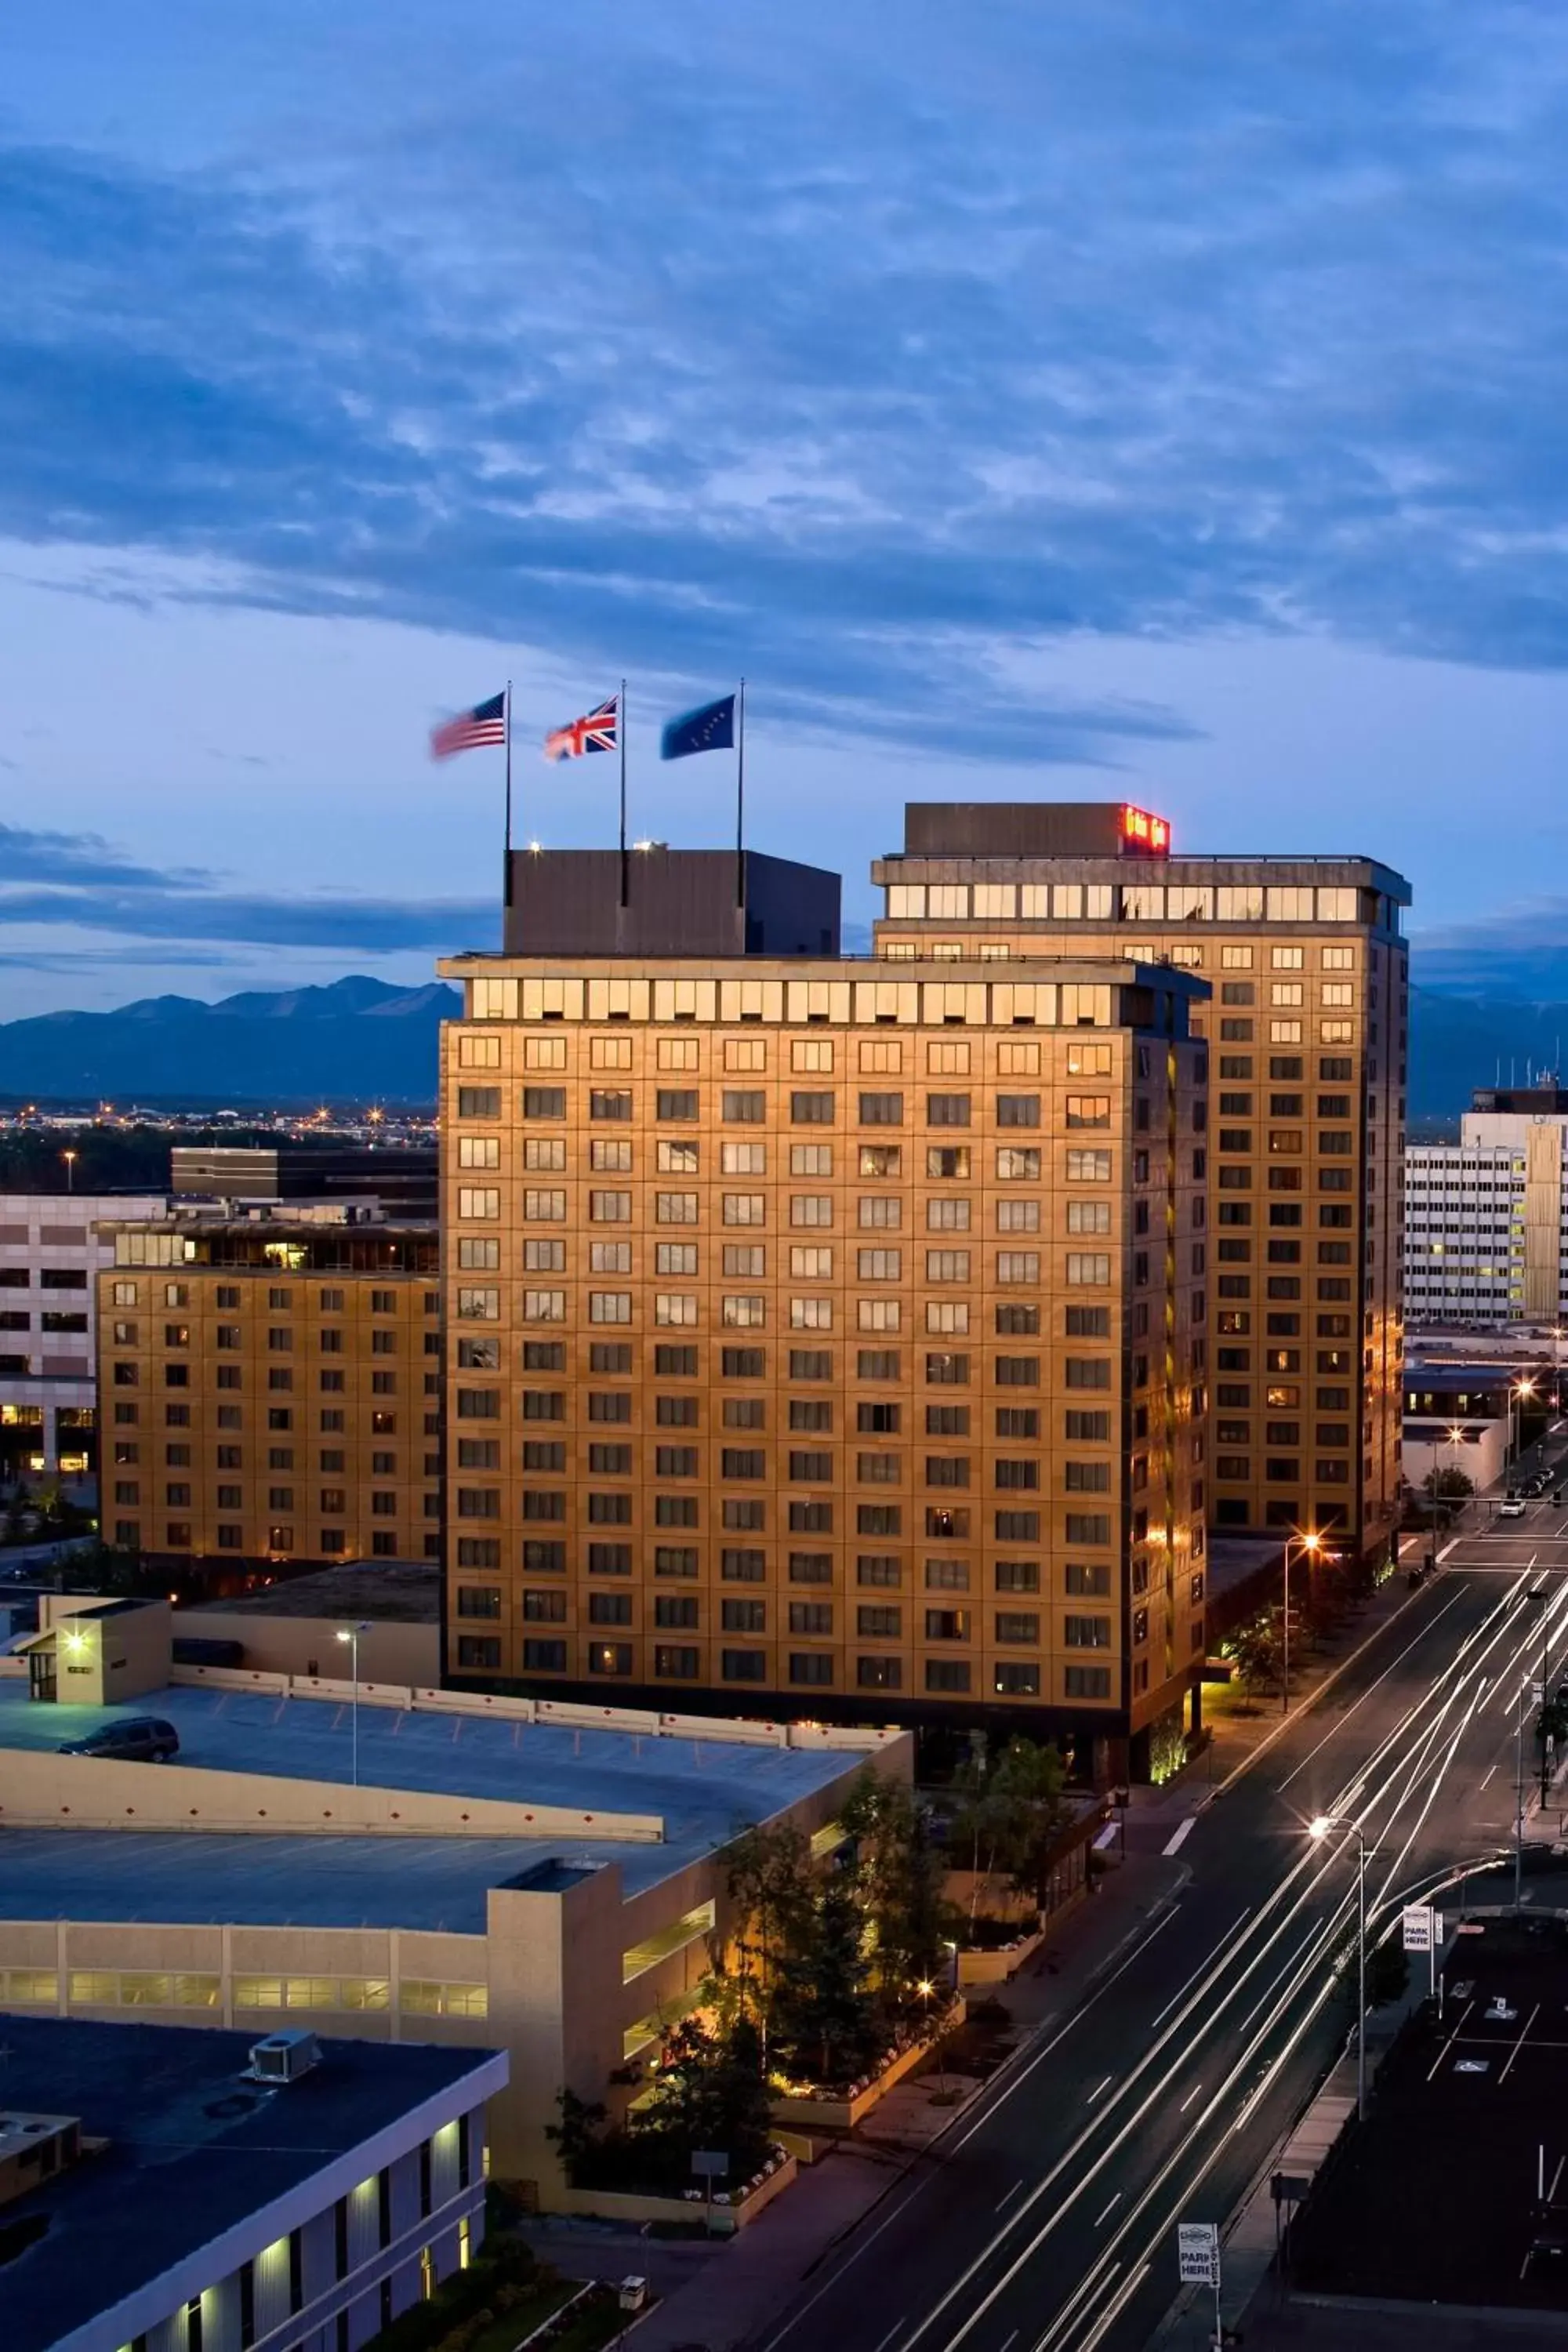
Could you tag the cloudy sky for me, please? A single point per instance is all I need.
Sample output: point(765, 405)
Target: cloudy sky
point(1096, 398)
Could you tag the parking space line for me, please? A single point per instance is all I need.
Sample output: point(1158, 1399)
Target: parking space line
point(1450, 2041)
point(1519, 2045)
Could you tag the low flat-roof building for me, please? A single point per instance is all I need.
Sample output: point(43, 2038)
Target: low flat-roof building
point(154, 2194)
point(419, 1866)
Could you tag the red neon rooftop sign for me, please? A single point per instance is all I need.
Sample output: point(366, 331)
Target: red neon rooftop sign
point(1143, 835)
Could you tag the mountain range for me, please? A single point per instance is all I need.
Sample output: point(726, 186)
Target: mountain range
point(357, 1041)
point(363, 1041)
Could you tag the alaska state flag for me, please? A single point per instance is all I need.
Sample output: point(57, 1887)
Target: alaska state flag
point(710, 728)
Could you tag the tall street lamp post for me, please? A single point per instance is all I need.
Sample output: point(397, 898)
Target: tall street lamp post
point(1311, 1543)
point(1319, 1829)
point(351, 1633)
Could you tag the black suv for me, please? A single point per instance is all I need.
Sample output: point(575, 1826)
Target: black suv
point(138, 1739)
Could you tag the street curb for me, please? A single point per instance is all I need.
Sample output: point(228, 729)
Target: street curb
point(1305, 1705)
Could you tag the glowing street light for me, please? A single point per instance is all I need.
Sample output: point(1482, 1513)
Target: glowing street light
point(1312, 1544)
point(351, 1633)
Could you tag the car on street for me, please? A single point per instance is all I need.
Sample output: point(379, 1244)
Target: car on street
point(137, 1739)
point(1512, 1509)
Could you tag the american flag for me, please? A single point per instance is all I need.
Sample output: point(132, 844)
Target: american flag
point(485, 723)
point(596, 732)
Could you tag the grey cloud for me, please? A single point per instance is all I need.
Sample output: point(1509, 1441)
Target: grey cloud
point(1104, 318)
point(77, 880)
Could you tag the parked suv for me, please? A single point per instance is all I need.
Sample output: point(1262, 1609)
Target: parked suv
point(137, 1739)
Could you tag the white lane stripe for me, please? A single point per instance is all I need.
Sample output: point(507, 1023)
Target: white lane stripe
point(1011, 2193)
point(1181, 1835)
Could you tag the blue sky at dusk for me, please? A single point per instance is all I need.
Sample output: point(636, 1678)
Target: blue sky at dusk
point(1122, 398)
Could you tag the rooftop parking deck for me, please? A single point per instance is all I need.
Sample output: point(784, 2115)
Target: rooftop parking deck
point(701, 1789)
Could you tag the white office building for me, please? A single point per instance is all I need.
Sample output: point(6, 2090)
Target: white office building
point(1486, 1219)
point(49, 1255)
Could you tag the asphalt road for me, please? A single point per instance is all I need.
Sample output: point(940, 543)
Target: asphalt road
point(1051, 2225)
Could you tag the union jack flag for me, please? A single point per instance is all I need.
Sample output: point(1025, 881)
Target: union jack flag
point(596, 732)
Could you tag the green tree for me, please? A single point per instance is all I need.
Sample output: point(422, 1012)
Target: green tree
point(768, 1872)
point(1009, 1813)
point(709, 2092)
point(1448, 1484)
point(897, 1875)
point(824, 2018)
point(1257, 1650)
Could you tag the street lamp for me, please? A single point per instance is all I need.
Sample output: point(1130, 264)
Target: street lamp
point(69, 1158)
point(1312, 1544)
point(351, 1633)
point(1319, 1829)
point(925, 1988)
point(1518, 1391)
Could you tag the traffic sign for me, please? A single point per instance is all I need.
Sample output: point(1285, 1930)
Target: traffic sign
point(1197, 2252)
point(1422, 1927)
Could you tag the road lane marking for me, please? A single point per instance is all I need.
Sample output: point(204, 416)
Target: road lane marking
point(1115, 2307)
point(1484, 1782)
point(891, 2333)
point(1187, 2102)
point(1011, 2192)
point(1012, 2339)
point(1206, 1963)
point(1101, 2219)
point(1335, 1729)
point(1098, 2088)
point(1181, 1835)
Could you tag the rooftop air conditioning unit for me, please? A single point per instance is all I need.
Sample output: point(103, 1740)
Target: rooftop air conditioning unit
point(284, 2057)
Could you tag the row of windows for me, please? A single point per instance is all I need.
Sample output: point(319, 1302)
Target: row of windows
point(329, 1500)
point(329, 1337)
point(881, 1571)
point(1278, 1470)
point(278, 1540)
point(881, 1621)
point(748, 1311)
point(813, 1262)
point(332, 1420)
point(281, 1297)
point(1140, 902)
point(1013, 1163)
point(879, 1057)
point(875, 1212)
point(871, 1419)
point(799, 1002)
point(802, 1465)
point(808, 1669)
point(279, 1378)
point(619, 1508)
point(751, 1107)
point(1328, 1031)
point(170, 1988)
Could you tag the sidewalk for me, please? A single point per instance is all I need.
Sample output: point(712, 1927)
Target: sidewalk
point(734, 2291)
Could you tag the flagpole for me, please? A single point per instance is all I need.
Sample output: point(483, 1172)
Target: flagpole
point(741, 797)
point(621, 731)
point(505, 863)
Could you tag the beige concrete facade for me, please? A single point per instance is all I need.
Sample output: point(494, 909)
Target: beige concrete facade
point(1308, 1027)
point(271, 1389)
point(388, 1652)
point(827, 1338)
point(571, 1972)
